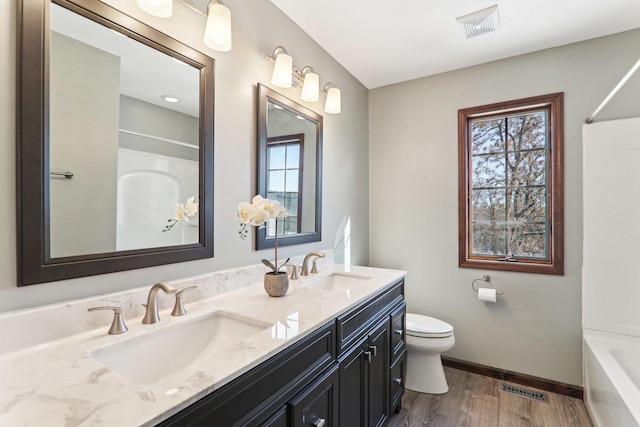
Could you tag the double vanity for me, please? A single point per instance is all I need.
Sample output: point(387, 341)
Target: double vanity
point(330, 352)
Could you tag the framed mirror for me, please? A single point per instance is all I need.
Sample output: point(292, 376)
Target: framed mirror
point(115, 131)
point(289, 168)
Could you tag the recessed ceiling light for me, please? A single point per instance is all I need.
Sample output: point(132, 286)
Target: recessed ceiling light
point(277, 107)
point(170, 98)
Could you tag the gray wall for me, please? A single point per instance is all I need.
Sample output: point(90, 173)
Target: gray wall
point(84, 123)
point(535, 327)
point(258, 27)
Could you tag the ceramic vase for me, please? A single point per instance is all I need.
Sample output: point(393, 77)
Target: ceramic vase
point(276, 284)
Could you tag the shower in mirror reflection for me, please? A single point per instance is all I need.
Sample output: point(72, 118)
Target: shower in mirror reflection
point(217, 32)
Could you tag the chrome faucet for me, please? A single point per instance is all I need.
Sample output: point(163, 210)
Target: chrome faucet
point(151, 316)
point(305, 263)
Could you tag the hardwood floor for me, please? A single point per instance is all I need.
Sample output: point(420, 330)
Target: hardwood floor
point(475, 400)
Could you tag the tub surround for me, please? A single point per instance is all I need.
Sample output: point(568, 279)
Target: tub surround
point(610, 293)
point(52, 379)
point(612, 378)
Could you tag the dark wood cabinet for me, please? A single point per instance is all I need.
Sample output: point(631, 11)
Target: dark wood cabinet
point(354, 385)
point(279, 419)
point(349, 372)
point(378, 359)
point(317, 405)
point(364, 379)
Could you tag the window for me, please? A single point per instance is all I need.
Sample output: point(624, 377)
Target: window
point(284, 180)
point(511, 187)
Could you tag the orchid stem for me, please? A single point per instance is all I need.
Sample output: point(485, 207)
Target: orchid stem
point(275, 244)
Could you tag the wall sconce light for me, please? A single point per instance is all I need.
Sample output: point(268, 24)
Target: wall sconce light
point(286, 75)
point(282, 72)
point(333, 104)
point(311, 85)
point(217, 32)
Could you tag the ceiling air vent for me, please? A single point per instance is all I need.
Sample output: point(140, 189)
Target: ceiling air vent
point(480, 22)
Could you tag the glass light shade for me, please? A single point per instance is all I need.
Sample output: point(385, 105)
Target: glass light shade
point(159, 8)
point(217, 32)
point(334, 102)
point(282, 71)
point(311, 87)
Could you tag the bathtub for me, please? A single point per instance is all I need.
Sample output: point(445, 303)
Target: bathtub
point(612, 378)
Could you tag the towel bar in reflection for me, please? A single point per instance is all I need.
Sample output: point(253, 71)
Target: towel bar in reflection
point(66, 174)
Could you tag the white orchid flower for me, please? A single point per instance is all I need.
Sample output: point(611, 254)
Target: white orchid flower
point(180, 214)
point(261, 216)
point(283, 212)
point(258, 201)
point(245, 212)
point(192, 206)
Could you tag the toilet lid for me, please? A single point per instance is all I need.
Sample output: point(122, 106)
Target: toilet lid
point(428, 327)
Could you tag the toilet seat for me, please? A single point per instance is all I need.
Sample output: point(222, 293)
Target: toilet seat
point(427, 327)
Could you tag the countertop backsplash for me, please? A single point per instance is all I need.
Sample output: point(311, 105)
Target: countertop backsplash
point(40, 325)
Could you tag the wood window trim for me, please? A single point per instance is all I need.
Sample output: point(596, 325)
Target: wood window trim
point(554, 264)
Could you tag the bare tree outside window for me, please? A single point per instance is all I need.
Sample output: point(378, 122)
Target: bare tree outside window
point(511, 185)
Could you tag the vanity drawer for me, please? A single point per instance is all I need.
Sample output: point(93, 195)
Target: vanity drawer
point(355, 322)
point(398, 331)
point(397, 380)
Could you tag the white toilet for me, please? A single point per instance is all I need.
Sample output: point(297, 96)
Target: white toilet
point(427, 337)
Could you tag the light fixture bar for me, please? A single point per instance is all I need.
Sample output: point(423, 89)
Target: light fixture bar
point(286, 75)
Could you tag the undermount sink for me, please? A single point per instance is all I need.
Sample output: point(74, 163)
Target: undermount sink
point(153, 356)
point(336, 281)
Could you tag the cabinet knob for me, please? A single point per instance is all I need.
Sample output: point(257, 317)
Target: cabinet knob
point(397, 380)
point(319, 422)
point(368, 355)
point(398, 331)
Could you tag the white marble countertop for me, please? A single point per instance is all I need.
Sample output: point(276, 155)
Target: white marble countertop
point(59, 383)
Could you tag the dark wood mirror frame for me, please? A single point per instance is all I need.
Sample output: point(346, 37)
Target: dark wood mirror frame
point(265, 95)
point(33, 253)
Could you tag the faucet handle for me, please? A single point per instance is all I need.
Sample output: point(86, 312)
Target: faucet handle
point(178, 308)
point(314, 269)
point(117, 326)
point(294, 272)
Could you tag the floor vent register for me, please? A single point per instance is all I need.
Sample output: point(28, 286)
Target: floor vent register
point(524, 392)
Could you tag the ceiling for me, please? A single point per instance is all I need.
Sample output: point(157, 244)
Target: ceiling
point(145, 73)
point(386, 42)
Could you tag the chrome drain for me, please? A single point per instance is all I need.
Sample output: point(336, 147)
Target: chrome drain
point(524, 392)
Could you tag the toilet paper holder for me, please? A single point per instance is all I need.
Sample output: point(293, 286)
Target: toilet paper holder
point(485, 278)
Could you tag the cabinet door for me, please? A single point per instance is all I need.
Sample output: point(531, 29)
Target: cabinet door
point(317, 404)
point(354, 384)
point(279, 419)
point(379, 343)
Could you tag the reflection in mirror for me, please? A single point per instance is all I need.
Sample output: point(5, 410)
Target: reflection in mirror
point(115, 131)
point(289, 163)
point(140, 152)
